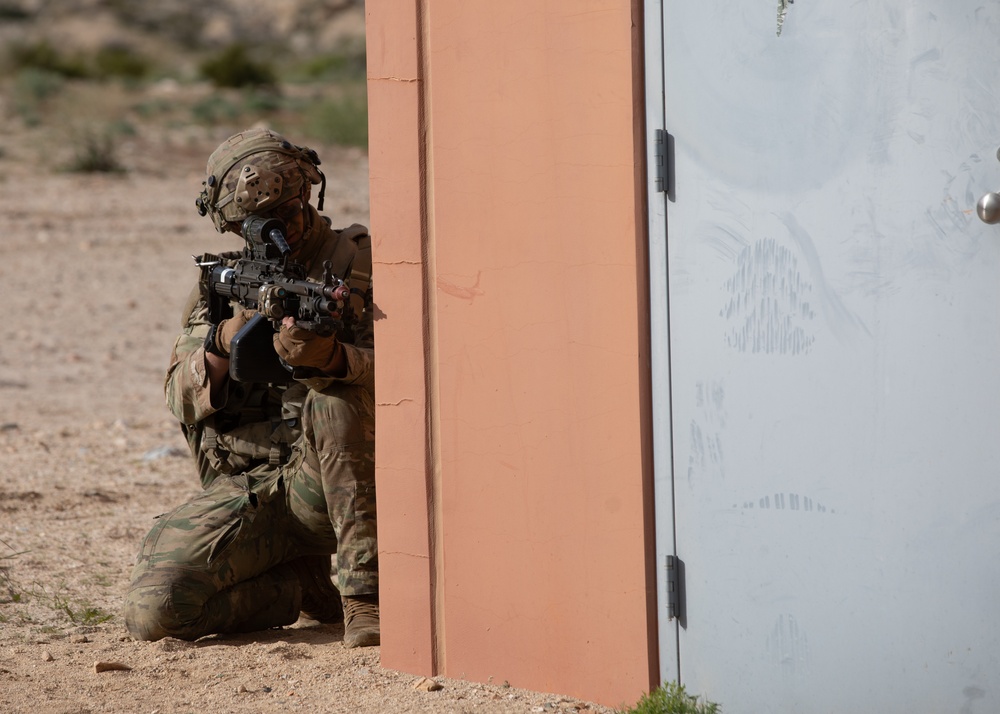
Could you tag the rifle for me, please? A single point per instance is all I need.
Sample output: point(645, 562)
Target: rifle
point(264, 277)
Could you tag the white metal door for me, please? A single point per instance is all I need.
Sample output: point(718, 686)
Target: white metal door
point(828, 389)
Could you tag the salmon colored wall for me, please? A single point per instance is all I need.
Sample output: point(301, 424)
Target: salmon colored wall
point(513, 372)
point(395, 161)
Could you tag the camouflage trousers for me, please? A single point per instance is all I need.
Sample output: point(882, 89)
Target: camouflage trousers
point(223, 561)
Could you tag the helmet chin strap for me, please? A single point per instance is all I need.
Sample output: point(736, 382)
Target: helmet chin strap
point(307, 214)
point(307, 224)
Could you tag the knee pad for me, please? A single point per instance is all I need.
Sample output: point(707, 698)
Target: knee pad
point(146, 612)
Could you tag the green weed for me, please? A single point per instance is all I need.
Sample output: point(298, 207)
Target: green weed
point(95, 153)
point(214, 110)
point(153, 107)
point(671, 698)
point(120, 61)
point(339, 121)
point(102, 580)
point(87, 615)
point(122, 127)
point(35, 85)
point(6, 584)
point(262, 101)
point(43, 56)
point(347, 64)
point(234, 67)
point(33, 88)
point(78, 612)
point(13, 12)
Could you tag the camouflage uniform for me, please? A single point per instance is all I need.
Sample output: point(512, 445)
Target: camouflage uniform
point(288, 473)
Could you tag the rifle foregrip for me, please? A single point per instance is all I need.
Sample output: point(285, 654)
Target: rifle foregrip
point(252, 357)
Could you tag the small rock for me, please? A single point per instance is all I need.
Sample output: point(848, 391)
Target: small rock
point(78, 639)
point(111, 667)
point(163, 452)
point(426, 684)
point(47, 656)
point(265, 689)
point(242, 689)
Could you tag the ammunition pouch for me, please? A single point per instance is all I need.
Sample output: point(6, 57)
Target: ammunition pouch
point(261, 436)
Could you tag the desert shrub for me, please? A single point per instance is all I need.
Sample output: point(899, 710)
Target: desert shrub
point(13, 12)
point(43, 56)
point(179, 23)
point(32, 87)
point(346, 64)
point(262, 100)
point(35, 85)
point(153, 107)
point(214, 109)
point(95, 153)
point(234, 67)
point(120, 61)
point(671, 698)
point(122, 127)
point(339, 121)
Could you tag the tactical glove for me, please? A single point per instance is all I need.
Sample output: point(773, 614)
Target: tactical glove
point(226, 330)
point(300, 347)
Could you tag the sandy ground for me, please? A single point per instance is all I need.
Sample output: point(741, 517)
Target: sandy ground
point(93, 271)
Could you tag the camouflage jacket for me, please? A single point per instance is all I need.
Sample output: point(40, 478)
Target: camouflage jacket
point(256, 423)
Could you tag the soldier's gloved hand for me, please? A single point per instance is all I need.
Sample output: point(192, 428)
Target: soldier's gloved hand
point(300, 347)
point(227, 330)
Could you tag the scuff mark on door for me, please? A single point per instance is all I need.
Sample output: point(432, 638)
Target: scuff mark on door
point(788, 645)
point(844, 323)
point(706, 432)
point(769, 302)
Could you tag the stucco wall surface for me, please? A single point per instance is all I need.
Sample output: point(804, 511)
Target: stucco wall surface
point(512, 419)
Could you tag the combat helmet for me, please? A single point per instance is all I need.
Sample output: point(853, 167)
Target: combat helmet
point(251, 172)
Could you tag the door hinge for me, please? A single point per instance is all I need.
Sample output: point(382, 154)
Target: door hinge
point(675, 584)
point(660, 155)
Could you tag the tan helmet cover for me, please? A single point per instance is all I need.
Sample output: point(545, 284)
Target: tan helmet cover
point(254, 171)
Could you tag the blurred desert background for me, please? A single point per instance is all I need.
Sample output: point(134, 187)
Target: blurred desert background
point(109, 110)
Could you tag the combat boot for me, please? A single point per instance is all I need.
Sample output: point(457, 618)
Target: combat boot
point(320, 597)
point(361, 626)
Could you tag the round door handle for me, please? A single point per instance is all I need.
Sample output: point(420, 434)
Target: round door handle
point(988, 208)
